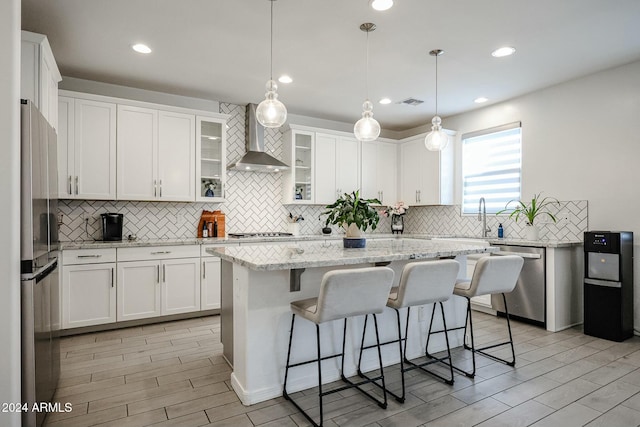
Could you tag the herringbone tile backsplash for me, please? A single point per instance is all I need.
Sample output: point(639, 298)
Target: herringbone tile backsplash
point(254, 203)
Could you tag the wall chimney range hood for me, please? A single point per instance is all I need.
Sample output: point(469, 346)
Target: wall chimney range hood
point(256, 160)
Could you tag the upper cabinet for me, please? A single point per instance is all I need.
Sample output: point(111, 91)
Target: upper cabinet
point(379, 171)
point(299, 180)
point(156, 155)
point(86, 149)
point(426, 177)
point(338, 167)
point(211, 159)
point(39, 75)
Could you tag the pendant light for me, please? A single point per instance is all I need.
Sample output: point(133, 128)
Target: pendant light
point(271, 113)
point(367, 128)
point(437, 139)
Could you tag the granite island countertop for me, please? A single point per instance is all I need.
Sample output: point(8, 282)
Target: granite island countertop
point(98, 244)
point(330, 253)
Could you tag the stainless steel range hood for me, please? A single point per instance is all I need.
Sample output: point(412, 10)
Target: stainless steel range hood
point(256, 160)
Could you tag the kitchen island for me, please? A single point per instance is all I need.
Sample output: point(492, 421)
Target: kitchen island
point(259, 282)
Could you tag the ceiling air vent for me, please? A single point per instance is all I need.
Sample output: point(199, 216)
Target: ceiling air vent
point(411, 101)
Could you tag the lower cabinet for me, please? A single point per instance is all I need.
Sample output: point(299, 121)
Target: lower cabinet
point(88, 287)
point(107, 285)
point(210, 284)
point(157, 288)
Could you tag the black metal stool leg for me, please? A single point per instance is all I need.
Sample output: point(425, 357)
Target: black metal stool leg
point(362, 347)
point(320, 376)
point(513, 353)
point(286, 369)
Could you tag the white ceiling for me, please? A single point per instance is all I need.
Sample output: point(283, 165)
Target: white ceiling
point(219, 49)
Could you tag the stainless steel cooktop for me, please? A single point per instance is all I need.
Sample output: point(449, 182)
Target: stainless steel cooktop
point(259, 234)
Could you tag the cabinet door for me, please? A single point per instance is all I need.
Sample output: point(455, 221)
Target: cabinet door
point(176, 156)
point(369, 186)
point(94, 150)
point(325, 168)
point(88, 295)
point(180, 285)
point(137, 153)
point(138, 285)
point(430, 194)
point(411, 171)
point(347, 165)
point(387, 168)
point(210, 284)
point(66, 144)
point(211, 160)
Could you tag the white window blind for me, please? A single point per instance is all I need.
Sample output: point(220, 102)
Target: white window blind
point(491, 167)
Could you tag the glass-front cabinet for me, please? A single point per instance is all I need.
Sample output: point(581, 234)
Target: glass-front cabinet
point(299, 179)
point(211, 165)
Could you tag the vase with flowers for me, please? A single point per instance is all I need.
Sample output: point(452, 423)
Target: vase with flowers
point(396, 212)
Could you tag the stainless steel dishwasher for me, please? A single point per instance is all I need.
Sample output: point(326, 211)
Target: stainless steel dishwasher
point(528, 300)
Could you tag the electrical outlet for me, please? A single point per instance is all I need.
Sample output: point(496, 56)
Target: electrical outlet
point(565, 216)
point(86, 216)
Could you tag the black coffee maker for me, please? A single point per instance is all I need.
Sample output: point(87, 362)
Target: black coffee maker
point(111, 226)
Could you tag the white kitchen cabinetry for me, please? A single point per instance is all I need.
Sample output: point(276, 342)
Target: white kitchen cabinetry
point(155, 281)
point(156, 155)
point(379, 171)
point(39, 75)
point(299, 180)
point(426, 177)
point(86, 149)
point(209, 280)
point(337, 167)
point(88, 287)
point(211, 161)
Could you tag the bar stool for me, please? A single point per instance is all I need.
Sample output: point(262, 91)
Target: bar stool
point(492, 275)
point(343, 294)
point(421, 283)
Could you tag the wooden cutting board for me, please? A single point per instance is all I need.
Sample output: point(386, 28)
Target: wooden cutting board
point(212, 216)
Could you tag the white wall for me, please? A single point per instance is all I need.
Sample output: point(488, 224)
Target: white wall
point(10, 212)
point(581, 141)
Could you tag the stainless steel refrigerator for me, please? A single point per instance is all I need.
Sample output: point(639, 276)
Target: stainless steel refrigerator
point(39, 263)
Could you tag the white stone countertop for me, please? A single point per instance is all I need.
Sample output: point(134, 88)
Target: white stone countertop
point(94, 244)
point(330, 253)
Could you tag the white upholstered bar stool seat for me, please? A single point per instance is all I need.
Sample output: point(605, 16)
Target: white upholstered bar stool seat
point(492, 275)
point(343, 294)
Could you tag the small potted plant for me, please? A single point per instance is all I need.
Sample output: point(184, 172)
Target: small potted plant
point(396, 213)
point(355, 215)
point(538, 206)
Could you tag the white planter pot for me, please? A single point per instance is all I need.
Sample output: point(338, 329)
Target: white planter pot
point(533, 232)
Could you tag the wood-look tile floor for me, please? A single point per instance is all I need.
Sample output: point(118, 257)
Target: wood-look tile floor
point(173, 374)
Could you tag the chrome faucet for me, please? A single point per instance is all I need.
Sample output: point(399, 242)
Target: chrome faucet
point(482, 216)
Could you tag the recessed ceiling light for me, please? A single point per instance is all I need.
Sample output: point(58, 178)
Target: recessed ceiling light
point(503, 51)
point(381, 4)
point(141, 48)
point(385, 101)
point(285, 79)
point(480, 100)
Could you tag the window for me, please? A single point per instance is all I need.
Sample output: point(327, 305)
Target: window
point(491, 167)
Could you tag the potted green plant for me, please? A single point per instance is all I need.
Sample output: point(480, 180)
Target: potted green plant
point(529, 212)
point(355, 215)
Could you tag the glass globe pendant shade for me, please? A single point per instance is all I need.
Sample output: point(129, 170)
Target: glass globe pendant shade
point(271, 113)
point(437, 139)
point(367, 128)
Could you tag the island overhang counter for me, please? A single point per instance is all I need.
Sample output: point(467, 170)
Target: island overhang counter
point(259, 282)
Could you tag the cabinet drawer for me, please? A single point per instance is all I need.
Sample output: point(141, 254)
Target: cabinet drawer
point(88, 256)
point(158, 252)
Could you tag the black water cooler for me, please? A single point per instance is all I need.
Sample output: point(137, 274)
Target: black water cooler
point(608, 284)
